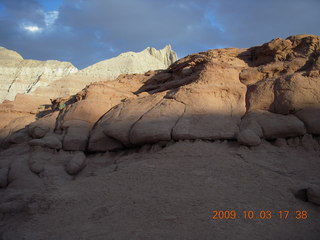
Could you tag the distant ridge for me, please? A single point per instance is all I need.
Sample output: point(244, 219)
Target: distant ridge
point(110, 69)
point(18, 75)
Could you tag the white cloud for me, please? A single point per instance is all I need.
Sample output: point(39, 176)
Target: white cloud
point(50, 17)
point(32, 28)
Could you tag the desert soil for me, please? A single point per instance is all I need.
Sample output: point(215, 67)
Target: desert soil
point(171, 193)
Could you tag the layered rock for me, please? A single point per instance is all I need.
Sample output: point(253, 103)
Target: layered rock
point(131, 62)
point(41, 91)
point(265, 92)
point(198, 97)
point(283, 78)
point(24, 76)
point(110, 69)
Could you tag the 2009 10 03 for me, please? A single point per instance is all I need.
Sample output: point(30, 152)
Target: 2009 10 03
point(263, 214)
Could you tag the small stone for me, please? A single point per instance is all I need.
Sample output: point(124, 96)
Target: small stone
point(313, 194)
point(52, 142)
point(309, 143)
point(186, 71)
point(249, 138)
point(281, 142)
point(40, 131)
point(36, 167)
point(293, 142)
point(76, 164)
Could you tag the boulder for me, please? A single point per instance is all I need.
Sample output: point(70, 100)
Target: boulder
point(38, 158)
point(37, 142)
point(157, 124)
point(309, 143)
point(276, 125)
point(294, 142)
point(250, 76)
point(51, 141)
point(260, 96)
point(311, 119)
point(209, 114)
point(86, 110)
point(76, 163)
point(76, 138)
point(117, 123)
point(248, 137)
point(296, 92)
point(313, 194)
point(281, 142)
point(40, 132)
point(41, 127)
point(99, 142)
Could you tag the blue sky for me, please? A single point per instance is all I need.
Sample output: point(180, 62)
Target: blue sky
point(51, 5)
point(85, 32)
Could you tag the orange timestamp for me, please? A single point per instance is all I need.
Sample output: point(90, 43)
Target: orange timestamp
point(262, 214)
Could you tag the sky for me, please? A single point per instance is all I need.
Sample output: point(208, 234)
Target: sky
point(84, 32)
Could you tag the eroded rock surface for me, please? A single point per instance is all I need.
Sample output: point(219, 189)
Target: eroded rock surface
point(265, 92)
point(110, 69)
point(24, 76)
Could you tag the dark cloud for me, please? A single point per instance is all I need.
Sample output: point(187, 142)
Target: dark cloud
point(254, 22)
point(90, 31)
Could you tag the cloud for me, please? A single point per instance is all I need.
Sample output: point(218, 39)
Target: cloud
point(85, 32)
point(50, 17)
point(32, 29)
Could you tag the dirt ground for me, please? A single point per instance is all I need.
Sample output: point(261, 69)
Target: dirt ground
point(171, 193)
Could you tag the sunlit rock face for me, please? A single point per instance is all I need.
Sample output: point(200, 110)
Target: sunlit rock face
point(264, 92)
point(18, 75)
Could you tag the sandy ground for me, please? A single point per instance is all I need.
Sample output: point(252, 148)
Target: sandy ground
point(171, 193)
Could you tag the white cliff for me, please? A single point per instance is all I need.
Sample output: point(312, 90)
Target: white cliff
point(131, 62)
point(18, 75)
point(110, 69)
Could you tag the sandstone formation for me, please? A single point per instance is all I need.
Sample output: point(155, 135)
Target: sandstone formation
point(44, 81)
point(24, 76)
point(237, 125)
point(265, 92)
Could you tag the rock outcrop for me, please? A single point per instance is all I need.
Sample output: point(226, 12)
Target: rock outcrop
point(198, 97)
point(265, 92)
point(110, 69)
point(42, 80)
point(131, 62)
point(283, 78)
point(53, 79)
point(24, 76)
